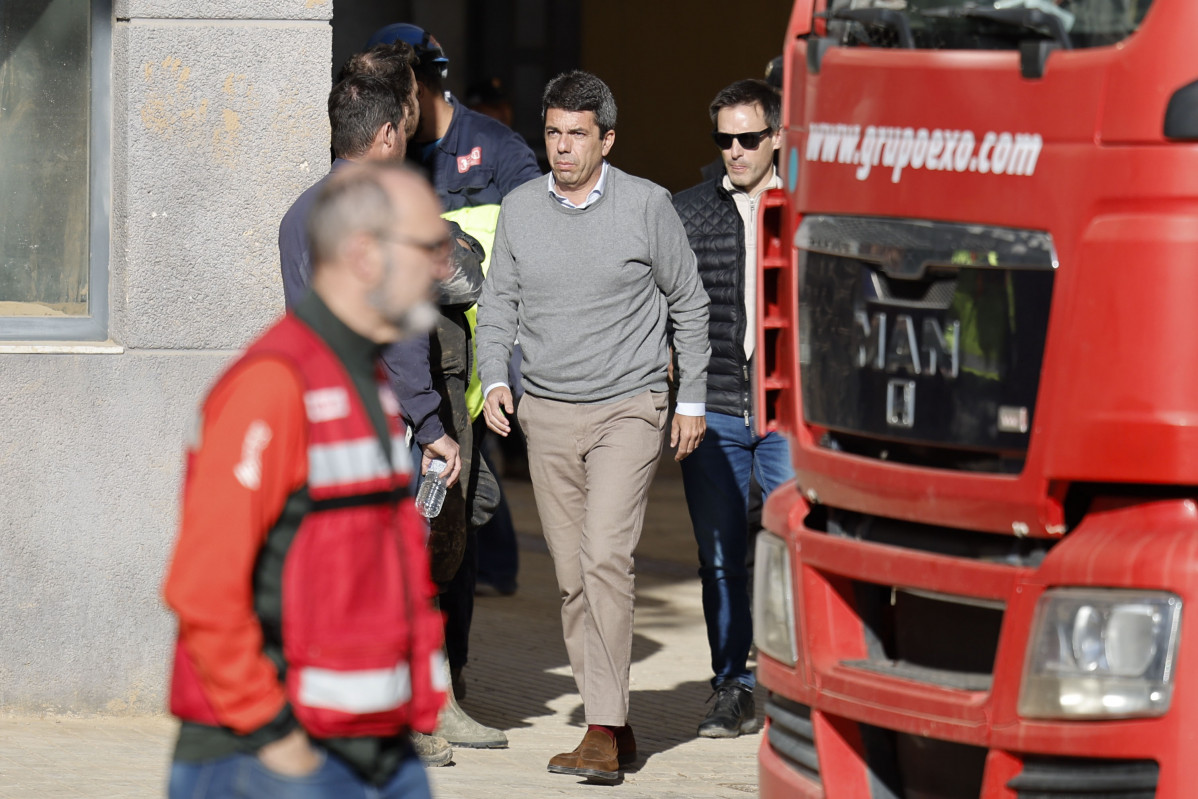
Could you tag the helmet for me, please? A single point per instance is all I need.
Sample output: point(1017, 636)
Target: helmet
point(427, 48)
point(773, 73)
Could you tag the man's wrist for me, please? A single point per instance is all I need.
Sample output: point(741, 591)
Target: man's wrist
point(430, 431)
point(690, 409)
point(493, 386)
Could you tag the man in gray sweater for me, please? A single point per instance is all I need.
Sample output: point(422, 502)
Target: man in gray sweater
point(588, 266)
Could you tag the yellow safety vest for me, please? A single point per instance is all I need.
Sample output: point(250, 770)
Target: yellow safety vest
point(479, 221)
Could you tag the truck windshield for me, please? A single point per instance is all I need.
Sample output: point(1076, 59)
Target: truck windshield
point(982, 24)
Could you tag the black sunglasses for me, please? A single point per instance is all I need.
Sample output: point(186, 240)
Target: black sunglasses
point(750, 141)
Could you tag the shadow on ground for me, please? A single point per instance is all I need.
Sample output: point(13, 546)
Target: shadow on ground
point(518, 671)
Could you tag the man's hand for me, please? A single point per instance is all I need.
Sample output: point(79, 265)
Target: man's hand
point(292, 755)
point(447, 450)
point(496, 408)
point(685, 433)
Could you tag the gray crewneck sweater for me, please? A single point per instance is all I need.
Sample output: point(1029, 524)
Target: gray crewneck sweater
point(588, 292)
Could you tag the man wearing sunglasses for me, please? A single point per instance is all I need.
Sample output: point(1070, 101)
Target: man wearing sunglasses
point(720, 217)
point(368, 120)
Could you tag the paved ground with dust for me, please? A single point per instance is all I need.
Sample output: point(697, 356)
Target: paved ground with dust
point(518, 679)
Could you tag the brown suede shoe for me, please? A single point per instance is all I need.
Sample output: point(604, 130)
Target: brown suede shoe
point(596, 758)
point(625, 752)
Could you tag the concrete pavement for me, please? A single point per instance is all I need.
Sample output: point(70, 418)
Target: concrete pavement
point(518, 679)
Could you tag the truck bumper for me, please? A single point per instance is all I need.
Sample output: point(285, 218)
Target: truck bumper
point(852, 722)
point(775, 777)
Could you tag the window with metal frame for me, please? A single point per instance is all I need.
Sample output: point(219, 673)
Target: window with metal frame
point(55, 111)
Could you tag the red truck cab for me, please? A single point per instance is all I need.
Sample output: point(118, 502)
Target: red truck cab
point(978, 293)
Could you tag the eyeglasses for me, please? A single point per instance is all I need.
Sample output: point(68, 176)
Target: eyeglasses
point(750, 141)
point(438, 249)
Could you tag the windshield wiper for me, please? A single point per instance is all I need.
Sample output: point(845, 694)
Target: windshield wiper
point(1029, 19)
point(880, 18)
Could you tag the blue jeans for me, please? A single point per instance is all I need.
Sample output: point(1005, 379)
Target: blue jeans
point(243, 776)
point(716, 479)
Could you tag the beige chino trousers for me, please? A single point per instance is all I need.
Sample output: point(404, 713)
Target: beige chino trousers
point(591, 466)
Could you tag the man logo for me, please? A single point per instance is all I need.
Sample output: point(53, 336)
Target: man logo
point(935, 352)
point(896, 350)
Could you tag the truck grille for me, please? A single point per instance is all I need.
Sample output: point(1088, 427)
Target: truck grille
point(942, 641)
point(1071, 778)
point(921, 342)
point(920, 635)
point(792, 736)
point(901, 765)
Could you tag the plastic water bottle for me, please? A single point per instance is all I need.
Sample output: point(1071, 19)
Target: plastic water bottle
point(432, 490)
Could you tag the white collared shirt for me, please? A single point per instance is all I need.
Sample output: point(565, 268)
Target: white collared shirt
point(748, 213)
point(591, 199)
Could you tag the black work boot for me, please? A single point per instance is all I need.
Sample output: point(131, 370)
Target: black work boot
point(733, 713)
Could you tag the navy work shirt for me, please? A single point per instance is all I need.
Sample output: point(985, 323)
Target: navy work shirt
point(477, 162)
point(406, 361)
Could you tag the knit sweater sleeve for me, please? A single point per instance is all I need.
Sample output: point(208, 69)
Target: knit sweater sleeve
point(677, 275)
point(495, 332)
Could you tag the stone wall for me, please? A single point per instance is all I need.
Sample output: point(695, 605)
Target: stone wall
point(219, 123)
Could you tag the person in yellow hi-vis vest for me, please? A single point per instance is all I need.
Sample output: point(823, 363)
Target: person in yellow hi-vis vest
point(472, 162)
point(479, 222)
point(498, 557)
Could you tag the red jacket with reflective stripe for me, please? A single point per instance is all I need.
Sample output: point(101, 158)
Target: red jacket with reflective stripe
point(360, 640)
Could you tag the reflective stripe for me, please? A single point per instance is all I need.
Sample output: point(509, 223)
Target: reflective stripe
point(371, 691)
point(346, 463)
point(326, 404)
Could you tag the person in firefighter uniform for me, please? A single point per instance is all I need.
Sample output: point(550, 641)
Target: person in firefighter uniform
point(369, 121)
point(473, 161)
point(308, 645)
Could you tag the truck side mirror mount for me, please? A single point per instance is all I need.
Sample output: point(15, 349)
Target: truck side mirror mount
point(1033, 57)
point(817, 46)
point(1181, 115)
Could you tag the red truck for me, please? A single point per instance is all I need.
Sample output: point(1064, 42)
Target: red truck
point(979, 294)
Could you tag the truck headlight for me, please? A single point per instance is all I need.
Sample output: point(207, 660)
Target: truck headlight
point(773, 600)
point(1101, 653)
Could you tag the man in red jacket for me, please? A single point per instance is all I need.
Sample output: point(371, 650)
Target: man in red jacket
point(308, 645)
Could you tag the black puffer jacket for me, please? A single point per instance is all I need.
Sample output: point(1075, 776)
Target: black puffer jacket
point(717, 235)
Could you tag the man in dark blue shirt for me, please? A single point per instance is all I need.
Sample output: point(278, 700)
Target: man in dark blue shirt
point(473, 161)
point(368, 123)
